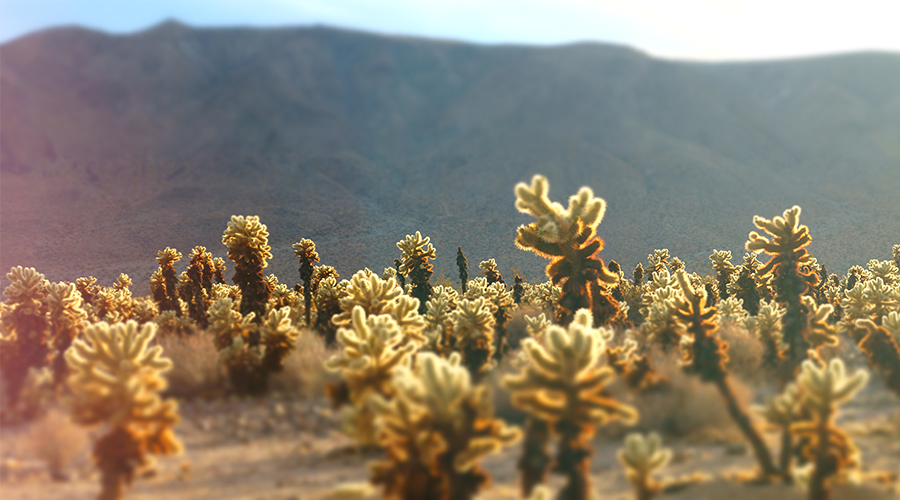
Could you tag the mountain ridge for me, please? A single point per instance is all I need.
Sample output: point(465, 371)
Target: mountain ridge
point(154, 139)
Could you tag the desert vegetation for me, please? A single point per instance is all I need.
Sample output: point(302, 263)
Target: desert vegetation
point(429, 380)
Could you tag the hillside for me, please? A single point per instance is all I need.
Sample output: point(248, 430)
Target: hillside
point(114, 147)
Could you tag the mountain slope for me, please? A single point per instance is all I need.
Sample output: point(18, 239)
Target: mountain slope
point(114, 147)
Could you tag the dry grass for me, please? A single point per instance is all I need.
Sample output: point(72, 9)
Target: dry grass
point(56, 441)
point(304, 375)
point(196, 371)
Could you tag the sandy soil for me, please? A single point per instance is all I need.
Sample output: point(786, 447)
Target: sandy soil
point(275, 449)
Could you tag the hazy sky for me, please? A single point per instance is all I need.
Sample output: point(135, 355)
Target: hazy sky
point(685, 29)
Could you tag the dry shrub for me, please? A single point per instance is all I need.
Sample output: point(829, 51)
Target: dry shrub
point(687, 407)
point(516, 326)
point(304, 375)
point(196, 371)
point(745, 354)
point(56, 441)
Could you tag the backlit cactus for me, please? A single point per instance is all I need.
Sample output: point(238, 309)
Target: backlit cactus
point(563, 383)
point(830, 449)
point(436, 430)
point(640, 457)
point(248, 247)
point(567, 236)
point(416, 251)
point(706, 356)
point(305, 250)
point(116, 380)
point(24, 329)
point(787, 249)
point(373, 349)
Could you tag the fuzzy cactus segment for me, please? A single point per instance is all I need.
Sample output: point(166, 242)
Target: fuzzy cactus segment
point(567, 236)
point(563, 384)
point(706, 356)
point(823, 388)
point(305, 250)
point(25, 341)
point(436, 431)
point(116, 380)
point(373, 349)
point(789, 263)
point(248, 247)
point(640, 457)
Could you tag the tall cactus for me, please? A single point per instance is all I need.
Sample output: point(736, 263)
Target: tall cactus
point(567, 236)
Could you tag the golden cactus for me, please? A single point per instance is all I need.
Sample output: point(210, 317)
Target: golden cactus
point(563, 384)
point(305, 250)
point(116, 380)
point(640, 457)
point(706, 356)
point(436, 430)
point(67, 320)
point(415, 254)
point(473, 334)
point(24, 330)
point(568, 238)
point(367, 290)
point(372, 351)
point(881, 349)
point(830, 449)
point(248, 247)
point(165, 286)
point(783, 411)
point(787, 249)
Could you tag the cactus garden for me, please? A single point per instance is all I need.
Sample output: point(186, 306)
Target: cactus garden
point(764, 376)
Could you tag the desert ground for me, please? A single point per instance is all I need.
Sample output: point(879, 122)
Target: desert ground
point(288, 445)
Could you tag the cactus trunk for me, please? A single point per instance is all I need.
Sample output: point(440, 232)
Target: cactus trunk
point(535, 460)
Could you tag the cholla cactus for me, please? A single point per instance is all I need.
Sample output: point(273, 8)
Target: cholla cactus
point(164, 283)
point(568, 238)
point(24, 329)
point(368, 291)
point(658, 260)
point(784, 410)
point(65, 310)
point(891, 322)
point(886, 270)
point(87, 288)
point(721, 262)
point(463, 266)
point(438, 323)
point(745, 284)
point(473, 334)
point(881, 348)
point(198, 286)
point(248, 247)
point(706, 356)
point(436, 431)
point(829, 448)
point(329, 293)
point(116, 381)
point(489, 269)
point(415, 253)
point(767, 327)
point(660, 325)
point(563, 384)
point(372, 351)
point(305, 250)
point(731, 312)
point(634, 368)
point(277, 337)
point(788, 254)
point(640, 457)
point(896, 254)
